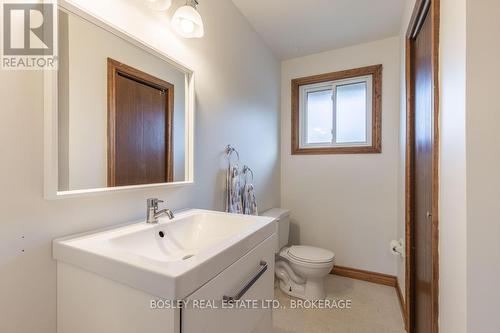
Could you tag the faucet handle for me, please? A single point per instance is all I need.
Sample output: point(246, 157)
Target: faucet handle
point(153, 202)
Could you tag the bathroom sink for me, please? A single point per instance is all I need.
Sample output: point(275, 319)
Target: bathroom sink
point(169, 259)
point(187, 237)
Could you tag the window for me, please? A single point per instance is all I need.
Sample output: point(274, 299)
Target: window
point(337, 112)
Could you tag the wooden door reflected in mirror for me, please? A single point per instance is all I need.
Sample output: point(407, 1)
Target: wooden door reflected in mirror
point(140, 113)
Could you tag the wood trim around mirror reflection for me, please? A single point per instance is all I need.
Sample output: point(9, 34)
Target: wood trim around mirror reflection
point(375, 147)
point(114, 68)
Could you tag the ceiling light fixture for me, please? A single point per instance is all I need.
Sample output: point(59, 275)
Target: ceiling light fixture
point(187, 21)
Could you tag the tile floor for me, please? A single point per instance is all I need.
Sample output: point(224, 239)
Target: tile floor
point(375, 308)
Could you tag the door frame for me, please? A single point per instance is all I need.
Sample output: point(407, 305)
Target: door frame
point(115, 67)
point(422, 7)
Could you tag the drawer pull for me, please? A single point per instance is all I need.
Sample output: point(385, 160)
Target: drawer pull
point(248, 285)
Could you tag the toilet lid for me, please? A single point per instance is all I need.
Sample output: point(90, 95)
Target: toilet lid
point(310, 254)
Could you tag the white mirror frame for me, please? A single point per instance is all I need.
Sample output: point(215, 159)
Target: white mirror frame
point(50, 91)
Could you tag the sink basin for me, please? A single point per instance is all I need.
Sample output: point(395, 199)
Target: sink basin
point(182, 239)
point(169, 259)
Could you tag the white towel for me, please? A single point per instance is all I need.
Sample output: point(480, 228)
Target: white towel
point(233, 190)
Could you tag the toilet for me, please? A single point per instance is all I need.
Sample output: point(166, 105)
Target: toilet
point(300, 269)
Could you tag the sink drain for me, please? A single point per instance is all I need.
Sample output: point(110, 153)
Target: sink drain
point(187, 256)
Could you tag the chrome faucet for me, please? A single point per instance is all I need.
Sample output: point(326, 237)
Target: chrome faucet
point(153, 213)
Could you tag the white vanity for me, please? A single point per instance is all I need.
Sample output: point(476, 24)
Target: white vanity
point(132, 278)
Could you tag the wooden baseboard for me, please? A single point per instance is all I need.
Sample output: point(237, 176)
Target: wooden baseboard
point(374, 277)
point(359, 274)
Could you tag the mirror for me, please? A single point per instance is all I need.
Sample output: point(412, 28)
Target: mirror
point(124, 111)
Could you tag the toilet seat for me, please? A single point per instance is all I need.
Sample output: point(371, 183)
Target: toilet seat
point(309, 255)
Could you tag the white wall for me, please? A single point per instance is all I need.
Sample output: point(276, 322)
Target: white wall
point(346, 203)
point(400, 269)
point(483, 166)
point(237, 99)
point(452, 198)
point(452, 187)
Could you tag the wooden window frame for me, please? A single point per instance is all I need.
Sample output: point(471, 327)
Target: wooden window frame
point(376, 126)
point(115, 68)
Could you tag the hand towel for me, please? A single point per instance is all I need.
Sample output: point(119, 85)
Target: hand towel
point(233, 190)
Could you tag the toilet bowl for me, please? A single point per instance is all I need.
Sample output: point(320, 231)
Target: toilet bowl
point(300, 269)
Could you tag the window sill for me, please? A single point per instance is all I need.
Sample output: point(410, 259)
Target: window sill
point(337, 150)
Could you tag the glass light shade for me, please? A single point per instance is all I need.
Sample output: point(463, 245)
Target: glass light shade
point(159, 5)
point(187, 22)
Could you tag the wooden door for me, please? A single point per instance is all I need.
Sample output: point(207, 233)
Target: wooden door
point(423, 176)
point(140, 134)
point(422, 184)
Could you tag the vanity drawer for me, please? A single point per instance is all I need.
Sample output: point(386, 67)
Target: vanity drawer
point(252, 278)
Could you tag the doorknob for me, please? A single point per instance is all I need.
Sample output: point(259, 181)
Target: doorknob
point(429, 215)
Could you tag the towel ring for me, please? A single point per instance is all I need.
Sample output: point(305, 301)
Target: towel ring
point(229, 152)
point(246, 170)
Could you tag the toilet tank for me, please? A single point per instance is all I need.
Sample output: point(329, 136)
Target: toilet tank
point(282, 217)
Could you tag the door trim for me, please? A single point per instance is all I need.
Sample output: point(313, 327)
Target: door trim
point(114, 68)
point(422, 7)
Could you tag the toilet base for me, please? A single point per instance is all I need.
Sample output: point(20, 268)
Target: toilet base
point(313, 289)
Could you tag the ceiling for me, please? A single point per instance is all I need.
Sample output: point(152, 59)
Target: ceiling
point(294, 28)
